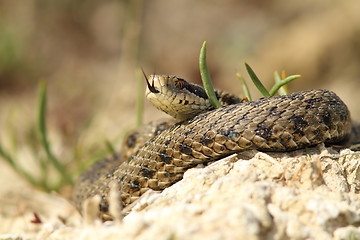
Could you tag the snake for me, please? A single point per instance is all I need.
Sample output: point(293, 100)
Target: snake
point(157, 155)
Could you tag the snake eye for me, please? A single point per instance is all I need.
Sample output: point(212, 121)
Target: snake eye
point(180, 83)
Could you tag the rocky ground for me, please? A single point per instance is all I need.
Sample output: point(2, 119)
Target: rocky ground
point(306, 194)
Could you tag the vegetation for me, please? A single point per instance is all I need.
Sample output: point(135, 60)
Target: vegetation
point(278, 87)
point(47, 160)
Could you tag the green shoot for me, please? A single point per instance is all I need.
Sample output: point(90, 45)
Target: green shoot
point(257, 81)
point(139, 97)
point(283, 90)
point(43, 135)
point(110, 147)
point(6, 156)
point(244, 85)
point(280, 83)
point(278, 87)
point(206, 79)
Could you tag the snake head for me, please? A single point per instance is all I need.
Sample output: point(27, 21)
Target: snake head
point(176, 97)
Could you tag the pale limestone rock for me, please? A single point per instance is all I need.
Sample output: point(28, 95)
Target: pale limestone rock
point(306, 194)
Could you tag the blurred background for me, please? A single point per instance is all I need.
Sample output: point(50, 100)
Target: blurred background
point(88, 52)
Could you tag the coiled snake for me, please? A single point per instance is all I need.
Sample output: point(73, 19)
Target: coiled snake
point(281, 123)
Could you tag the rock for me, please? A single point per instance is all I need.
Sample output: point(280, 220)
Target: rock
point(306, 194)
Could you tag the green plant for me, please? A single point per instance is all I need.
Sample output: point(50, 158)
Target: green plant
point(44, 163)
point(47, 161)
point(206, 79)
point(51, 159)
point(278, 87)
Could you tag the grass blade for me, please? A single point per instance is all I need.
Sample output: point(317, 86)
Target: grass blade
point(43, 134)
point(244, 85)
point(6, 156)
point(257, 81)
point(139, 97)
point(110, 147)
point(206, 79)
point(281, 83)
point(283, 89)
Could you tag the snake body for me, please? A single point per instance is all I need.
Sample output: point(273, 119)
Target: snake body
point(280, 123)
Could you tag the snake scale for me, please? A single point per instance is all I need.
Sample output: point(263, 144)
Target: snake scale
point(279, 123)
